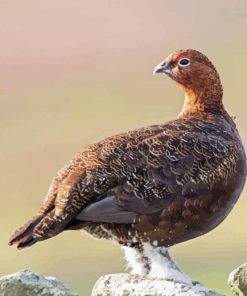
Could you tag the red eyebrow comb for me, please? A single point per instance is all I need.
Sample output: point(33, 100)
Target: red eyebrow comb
point(182, 57)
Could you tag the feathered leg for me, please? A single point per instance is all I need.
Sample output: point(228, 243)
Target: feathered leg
point(136, 259)
point(162, 265)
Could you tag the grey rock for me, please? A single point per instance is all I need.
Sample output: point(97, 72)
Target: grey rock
point(27, 283)
point(238, 281)
point(128, 285)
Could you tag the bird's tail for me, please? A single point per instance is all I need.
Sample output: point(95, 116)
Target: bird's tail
point(24, 236)
point(27, 235)
point(41, 227)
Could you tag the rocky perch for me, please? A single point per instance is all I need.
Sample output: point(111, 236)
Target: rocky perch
point(27, 283)
point(123, 284)
point(238, 281)
point(167, 280)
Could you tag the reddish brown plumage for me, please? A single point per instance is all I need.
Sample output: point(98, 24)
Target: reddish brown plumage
point(165, 183)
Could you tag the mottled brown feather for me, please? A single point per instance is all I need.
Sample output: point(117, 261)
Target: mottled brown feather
point(181, 178)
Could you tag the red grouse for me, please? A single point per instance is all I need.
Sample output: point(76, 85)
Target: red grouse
point(155, 186)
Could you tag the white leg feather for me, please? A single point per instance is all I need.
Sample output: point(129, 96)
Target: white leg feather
point(135, 261)
point(162, 265)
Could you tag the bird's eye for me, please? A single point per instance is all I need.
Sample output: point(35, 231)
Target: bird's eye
point(184, 62)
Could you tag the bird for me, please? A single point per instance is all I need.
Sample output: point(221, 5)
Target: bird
point(156, 186)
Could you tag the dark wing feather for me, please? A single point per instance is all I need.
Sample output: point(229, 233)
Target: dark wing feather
point(106, 211)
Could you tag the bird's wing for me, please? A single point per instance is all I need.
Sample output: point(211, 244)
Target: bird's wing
point(88, 175)
point(164, 167)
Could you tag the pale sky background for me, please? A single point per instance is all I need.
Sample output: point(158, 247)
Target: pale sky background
point(74, 72)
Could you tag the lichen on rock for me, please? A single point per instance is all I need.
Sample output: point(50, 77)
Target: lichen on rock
point(27, 283)
point(238, 280)
point(128, 285)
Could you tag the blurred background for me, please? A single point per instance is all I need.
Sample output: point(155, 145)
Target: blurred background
point(74, 72)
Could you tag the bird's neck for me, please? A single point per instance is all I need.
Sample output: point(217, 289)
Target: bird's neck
point(202, 101)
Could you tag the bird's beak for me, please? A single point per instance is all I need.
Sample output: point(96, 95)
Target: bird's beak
point(162, 68)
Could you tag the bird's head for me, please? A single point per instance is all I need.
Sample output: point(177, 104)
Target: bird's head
point(196, 74)
point(188, 67)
